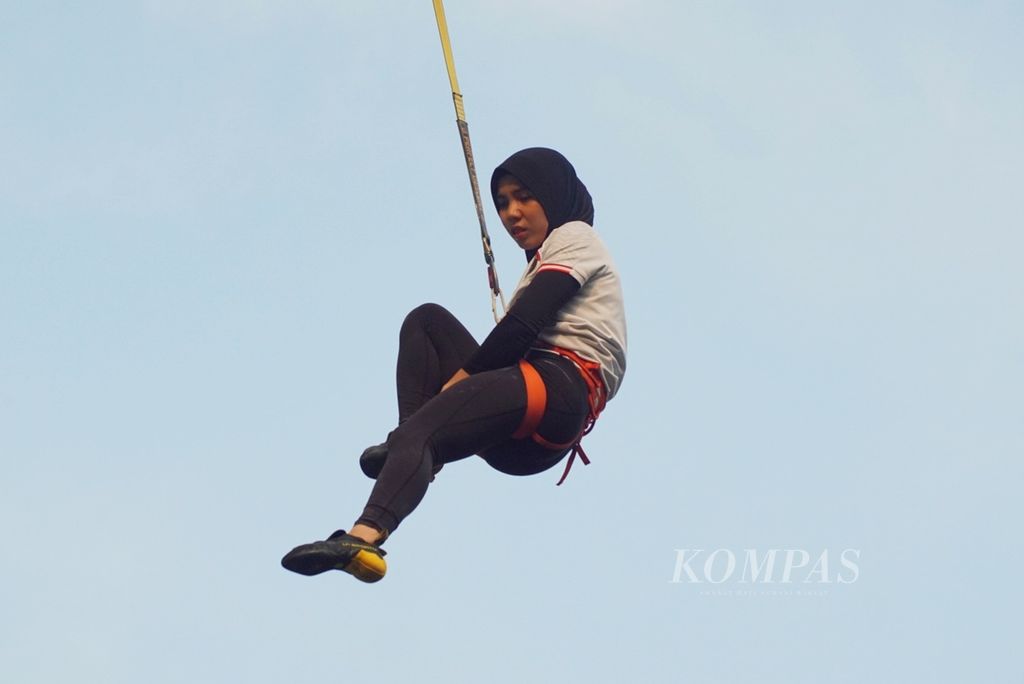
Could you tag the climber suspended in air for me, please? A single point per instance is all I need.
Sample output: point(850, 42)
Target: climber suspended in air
point(523, 399)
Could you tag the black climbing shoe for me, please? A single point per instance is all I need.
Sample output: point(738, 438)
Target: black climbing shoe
point(340, 551)
point(372, 460)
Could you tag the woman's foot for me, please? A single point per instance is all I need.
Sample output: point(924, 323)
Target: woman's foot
point(340, 551)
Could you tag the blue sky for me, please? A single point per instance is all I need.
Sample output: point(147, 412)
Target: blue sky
point(214, 216)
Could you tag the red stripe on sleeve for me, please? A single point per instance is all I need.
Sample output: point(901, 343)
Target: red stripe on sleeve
point(561, 268)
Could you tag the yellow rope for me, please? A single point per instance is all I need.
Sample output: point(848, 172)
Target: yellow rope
point(449, 60)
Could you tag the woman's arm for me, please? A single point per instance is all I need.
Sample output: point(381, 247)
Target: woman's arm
point(534, 310)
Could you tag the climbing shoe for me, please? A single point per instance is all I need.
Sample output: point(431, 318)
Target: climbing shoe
point(372, 460)
point(340, 551)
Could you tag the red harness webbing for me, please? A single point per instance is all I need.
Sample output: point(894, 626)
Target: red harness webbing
point(537, 399)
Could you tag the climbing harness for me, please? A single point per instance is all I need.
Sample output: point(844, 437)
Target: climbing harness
point(536, 403)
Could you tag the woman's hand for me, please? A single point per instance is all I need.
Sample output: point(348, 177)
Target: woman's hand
point(459, 376)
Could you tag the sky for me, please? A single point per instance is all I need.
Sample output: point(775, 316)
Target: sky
point(215, 215)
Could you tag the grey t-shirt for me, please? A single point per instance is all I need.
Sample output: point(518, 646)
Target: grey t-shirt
point(593, 322)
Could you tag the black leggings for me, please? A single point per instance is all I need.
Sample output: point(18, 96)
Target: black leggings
point(475, 416)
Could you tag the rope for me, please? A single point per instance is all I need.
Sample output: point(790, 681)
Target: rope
point(467, 151)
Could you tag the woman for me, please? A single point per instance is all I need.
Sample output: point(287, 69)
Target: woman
point(522, 398)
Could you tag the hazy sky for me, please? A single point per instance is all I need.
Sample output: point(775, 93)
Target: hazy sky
point(215, 215)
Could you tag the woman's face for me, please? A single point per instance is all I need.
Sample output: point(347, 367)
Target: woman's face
point(521, 214)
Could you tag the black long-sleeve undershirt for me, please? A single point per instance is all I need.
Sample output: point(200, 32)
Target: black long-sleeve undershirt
point(534, 310)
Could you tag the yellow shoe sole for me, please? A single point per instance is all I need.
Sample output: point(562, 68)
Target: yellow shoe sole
point(367, 567)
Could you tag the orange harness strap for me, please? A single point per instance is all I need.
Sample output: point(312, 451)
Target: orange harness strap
point(537, 399)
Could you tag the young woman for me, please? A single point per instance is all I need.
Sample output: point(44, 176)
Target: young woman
point(523, 398)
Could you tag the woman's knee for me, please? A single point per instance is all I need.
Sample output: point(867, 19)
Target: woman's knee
point(411, 446)
point(421, 317)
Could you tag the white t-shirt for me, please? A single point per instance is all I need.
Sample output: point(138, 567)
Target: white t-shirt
point(593, 322)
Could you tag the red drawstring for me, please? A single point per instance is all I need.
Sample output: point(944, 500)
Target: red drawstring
point(576, 449)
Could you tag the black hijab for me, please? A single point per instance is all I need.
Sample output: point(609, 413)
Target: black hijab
point(552, 180)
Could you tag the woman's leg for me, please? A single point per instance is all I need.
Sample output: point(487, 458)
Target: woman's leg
point(477, 415)
point(468, 417)
point(564, 417)
point(432, 346)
